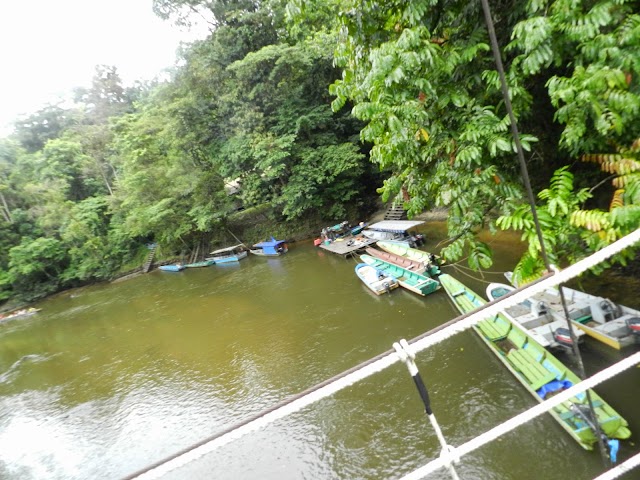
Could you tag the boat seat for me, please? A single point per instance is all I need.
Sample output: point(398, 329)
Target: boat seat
point(570, 413)
point(552, 368)
point(494, 330)
point(517, 337)
point(584, 319)
point(535, 373)
point(535, 351)
point(457, 294)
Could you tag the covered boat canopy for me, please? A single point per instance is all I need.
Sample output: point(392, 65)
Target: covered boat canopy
point(270, 246)
point(395, 226)
point(240, 246)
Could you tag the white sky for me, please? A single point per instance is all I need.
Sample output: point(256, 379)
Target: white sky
point(48, 47)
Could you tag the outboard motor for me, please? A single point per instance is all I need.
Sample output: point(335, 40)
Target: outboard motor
point(563, 337)
point(634, 325)
point(609, 310)
point(539, 308)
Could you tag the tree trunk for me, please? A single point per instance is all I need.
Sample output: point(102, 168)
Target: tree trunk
point(6, 213)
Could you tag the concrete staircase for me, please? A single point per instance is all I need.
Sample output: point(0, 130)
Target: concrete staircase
point(149, 261)
point(395, 213)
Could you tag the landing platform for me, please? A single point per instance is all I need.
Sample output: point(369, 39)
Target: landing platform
point(341, 247)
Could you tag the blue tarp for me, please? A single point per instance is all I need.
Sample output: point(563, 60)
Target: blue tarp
point(270, 246)
point(553, 386)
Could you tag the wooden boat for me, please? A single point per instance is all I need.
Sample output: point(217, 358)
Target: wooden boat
point(171, 268)
point(432, 262)
point(614, 325)
point(229, 254)
point(417, 283)
point(270, 248)
point(547, 329)
point(399, 260)
point(538, 370)
point(377, 281)
point(204, 263)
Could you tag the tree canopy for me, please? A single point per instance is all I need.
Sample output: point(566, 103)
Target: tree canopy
point(309, 107)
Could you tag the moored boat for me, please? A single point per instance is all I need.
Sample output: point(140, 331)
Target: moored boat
point(539, 371)
point(234, 253)
point(399, 260)
point(417, 283)
point(178, 267)
point(612, 324)
point(204, 263)
point(535, 317)
point(376, 280)
point(431, 261)
point(270, 248)
point(397, 230)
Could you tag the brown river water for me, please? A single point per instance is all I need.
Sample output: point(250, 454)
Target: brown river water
point(108, 379)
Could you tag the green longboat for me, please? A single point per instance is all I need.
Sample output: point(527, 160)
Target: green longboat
point(205, 263)
point(417, 283)
point(538, 370)
point(432, 262)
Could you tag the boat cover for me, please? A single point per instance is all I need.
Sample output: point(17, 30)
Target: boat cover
point(270, 246)
point(395, 226)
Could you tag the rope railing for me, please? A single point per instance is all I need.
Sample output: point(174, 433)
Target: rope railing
point(621, 469)
point(526, 416)
point(377, 364)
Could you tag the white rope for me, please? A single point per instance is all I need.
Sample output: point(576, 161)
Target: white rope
point(388, 360)
point(528, 415)
point(621, 469)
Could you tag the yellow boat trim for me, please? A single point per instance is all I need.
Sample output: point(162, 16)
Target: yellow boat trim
point(607, 340)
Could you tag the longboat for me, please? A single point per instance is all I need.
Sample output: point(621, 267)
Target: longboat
point(415, 282)
point(171, 268)
point(539, 371)
point(431, 261)
point(399, 260)
point(234, 253)
point(204, 263)
point(376, 280)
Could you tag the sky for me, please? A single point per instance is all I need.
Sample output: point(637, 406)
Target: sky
point(48, 47)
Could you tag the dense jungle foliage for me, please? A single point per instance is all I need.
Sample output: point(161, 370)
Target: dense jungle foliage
point(310, 106)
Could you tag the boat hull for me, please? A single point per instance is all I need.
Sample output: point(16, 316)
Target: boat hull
point(541, 324)
point(376, 280)
point(398, 260)
point(537, 369)
point(206, 263)
point(171, 268)
point(431, 262)
point(262, 253)
point(414, 282)
point(595, 316)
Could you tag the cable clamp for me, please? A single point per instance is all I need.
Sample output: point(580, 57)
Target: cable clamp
point(407, 355)
point(450, 455)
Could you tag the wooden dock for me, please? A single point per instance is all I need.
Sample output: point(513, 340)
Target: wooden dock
point(348, 246)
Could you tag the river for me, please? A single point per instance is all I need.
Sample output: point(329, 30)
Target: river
point(110, 378)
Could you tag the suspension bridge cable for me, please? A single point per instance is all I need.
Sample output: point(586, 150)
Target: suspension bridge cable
point(527, 415)
point(376, 364)
point(525, 177)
